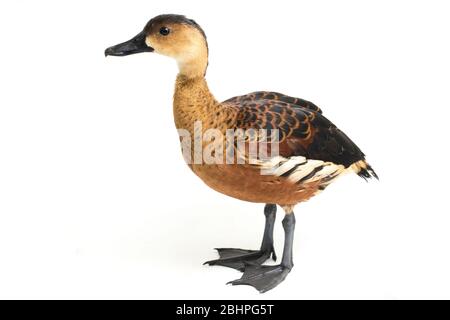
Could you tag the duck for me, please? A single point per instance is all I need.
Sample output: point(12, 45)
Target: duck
point(311, 152)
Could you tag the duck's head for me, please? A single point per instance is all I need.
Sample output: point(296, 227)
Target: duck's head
point(171, 35)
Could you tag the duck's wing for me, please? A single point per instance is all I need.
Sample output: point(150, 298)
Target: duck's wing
point(274, 96)
point(304, 133)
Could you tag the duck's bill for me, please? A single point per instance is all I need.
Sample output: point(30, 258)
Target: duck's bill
point(132, 46)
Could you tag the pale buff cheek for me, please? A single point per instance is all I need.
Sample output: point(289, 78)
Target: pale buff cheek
point(148, 42)
point(187, 48)
point(182, 51)
point(154, 44)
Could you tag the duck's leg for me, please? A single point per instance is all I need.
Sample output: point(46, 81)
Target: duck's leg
point(239, 258)
point(264, 278)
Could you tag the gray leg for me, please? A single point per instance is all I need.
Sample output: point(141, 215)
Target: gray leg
point(264, 278)
point(289, 228)
point(270, 211)
point(239, 258)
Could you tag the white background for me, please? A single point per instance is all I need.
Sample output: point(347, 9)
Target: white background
point(96, 201)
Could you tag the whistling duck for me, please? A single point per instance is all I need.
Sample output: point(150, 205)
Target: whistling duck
point(312, 151)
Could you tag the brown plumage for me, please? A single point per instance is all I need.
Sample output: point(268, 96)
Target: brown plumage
point(303, 131)
point(313, 152)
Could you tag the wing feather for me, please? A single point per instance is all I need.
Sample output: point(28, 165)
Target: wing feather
point(303, 131)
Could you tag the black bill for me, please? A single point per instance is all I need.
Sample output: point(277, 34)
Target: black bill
point(135, 45)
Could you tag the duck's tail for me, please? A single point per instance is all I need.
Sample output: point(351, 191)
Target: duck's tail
point(364, 170)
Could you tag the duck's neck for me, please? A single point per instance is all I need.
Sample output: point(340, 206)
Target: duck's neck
point(194, 102)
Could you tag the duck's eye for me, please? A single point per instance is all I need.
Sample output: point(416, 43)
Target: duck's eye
point(164, 31)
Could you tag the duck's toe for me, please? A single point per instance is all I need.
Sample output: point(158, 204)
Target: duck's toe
point(239, 258)
point(262, 278)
